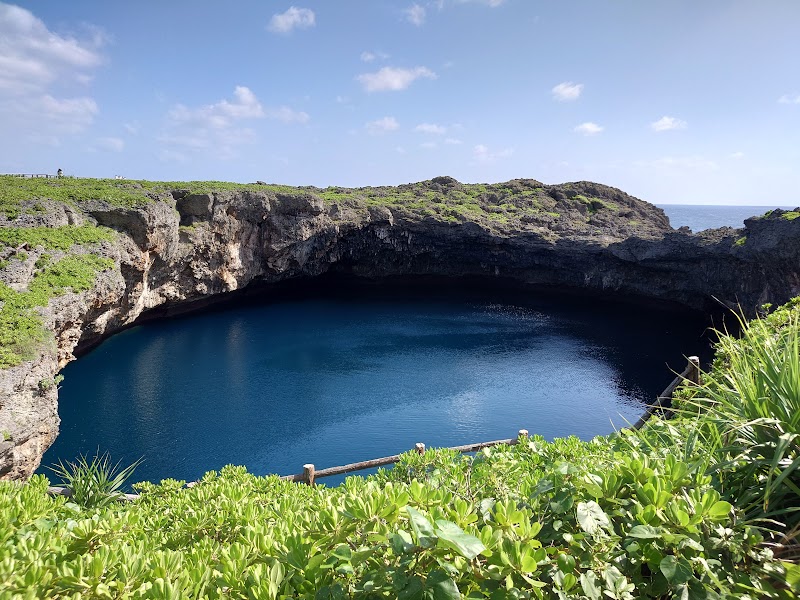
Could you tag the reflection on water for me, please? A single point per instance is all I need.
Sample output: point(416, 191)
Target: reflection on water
point(337, 380)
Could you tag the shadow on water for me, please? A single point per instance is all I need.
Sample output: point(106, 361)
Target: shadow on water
point(342, 370)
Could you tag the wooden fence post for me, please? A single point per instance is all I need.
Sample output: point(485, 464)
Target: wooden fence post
point(420, 448)
point(694, 370)
point(308, 473)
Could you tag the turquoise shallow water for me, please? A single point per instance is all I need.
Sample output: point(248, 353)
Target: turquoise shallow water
point(360, 374)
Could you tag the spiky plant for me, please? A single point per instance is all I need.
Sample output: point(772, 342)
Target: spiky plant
point(94, 482)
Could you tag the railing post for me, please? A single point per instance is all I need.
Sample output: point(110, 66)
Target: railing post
point(694, 370)
point(420, 448)
point(308, 473)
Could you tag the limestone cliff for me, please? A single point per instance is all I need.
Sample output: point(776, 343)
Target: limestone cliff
point(181, 245)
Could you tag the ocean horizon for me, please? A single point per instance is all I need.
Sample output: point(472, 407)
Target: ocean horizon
point(699, 217)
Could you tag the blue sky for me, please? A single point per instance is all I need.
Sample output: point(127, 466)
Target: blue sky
point(674, 101)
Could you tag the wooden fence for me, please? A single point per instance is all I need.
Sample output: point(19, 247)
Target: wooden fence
point(309, 475)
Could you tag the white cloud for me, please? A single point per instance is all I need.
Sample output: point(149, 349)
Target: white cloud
point(666, 123)
point(589, 128)
point(32, 57)
point(482, 154)
point(432, 128)
point(384, 125)
point(567, 91)
point(400, 150)
point(293, 18)
point(288, 115)
point(415, 14)
point(737, 155)
point(789, 99)
point(217, 128)
point(34, 61)
point(453, 141)
point(393, 78)
point(368, 56)
point(109, 144)
point(221, 114)
point(428, 145)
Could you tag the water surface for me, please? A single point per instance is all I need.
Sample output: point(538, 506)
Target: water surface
point(353, 376)
point(698, 217)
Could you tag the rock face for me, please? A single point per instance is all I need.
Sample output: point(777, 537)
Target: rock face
point(187, 247)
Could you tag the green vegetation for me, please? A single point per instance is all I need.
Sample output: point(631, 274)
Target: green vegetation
point(21, 327)
point(54, 238)
point(741, 241)
point(790, 215)
point(704, 505)
point(18, 192)
point(441, 198)
point(42, 261)
point(46, 384)
point(95, 482)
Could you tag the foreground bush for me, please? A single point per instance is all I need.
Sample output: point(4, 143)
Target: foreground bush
point(697, 507)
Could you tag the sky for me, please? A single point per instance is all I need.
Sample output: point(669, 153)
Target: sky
point(673, 101)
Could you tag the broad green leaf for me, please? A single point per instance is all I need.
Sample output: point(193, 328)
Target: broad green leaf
point(333, 592)
point(562, 502)
point(413, 589)
point(591, 517)
point(792, 572)
point(720, 510)
point(566, 563)
point(676, 570)
point(442, 587)
point(644, 532)
point(402, 542)
point(467, 545)
point(343, 552)
point(419, 524)
point(569, 581)
point(589, 585)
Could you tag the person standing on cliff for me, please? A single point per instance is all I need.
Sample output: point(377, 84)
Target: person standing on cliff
point(59, 173)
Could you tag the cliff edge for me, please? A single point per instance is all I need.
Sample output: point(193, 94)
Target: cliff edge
point(82, 259)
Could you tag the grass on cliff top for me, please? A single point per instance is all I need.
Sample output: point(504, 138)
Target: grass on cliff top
point(450, 201)
point(702, 506)
point(54, 238)
point(21, 328)
point(14, 191)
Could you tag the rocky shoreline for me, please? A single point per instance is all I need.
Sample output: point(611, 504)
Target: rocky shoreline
point(183, 246)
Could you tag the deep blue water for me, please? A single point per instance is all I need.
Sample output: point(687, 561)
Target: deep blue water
point(353, 376)
point(699, 217)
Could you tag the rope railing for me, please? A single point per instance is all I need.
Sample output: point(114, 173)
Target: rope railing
point(310, 473)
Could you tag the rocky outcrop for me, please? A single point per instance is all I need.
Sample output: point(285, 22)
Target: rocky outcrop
point(181, 248)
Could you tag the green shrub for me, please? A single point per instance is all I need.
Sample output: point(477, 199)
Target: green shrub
point(42, 261)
